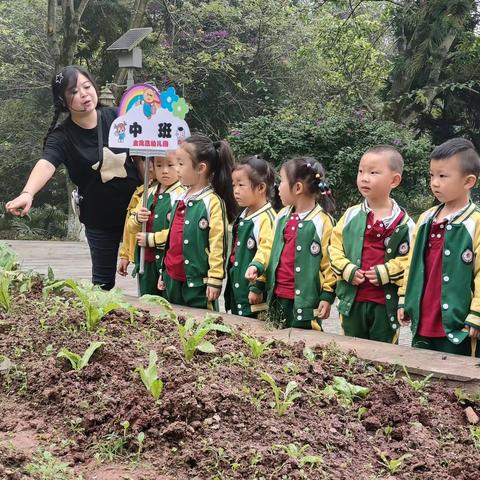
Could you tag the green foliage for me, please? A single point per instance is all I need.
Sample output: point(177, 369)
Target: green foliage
point(96, 302)
point(475, 434)
point(5, 297)
point(297, 452)
point(46, 467)
point(257, 348)
point(162, 302)
point(466, 398)
point(149, 376)
point(192, 335)
point(339, 143)
point(283, 400)
point(417, 385)
point(8, 258)
point(309, 354)
point(344, 392)
point(393, 465)
point(78, 362)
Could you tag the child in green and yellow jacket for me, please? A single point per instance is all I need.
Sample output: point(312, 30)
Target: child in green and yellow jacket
point(442, 283)
point(253, 181)
point(300, 281)
point(369, 250)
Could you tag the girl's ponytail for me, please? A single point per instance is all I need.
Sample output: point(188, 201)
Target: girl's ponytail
point(218, 157)
point(325, 199)
point(52, 125)
point(222, 177)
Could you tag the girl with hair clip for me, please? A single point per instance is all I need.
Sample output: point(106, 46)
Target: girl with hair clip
point(105, 178)
point(300, 281)
point(253, 182)
point(196, 243)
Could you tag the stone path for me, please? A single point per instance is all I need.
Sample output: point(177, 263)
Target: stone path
point(72, 260)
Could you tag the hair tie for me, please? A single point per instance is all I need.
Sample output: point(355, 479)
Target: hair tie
point(59, 78)
point(309, 165)
point(216, 145)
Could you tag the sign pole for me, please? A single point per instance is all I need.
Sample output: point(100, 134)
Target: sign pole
point(146, 181)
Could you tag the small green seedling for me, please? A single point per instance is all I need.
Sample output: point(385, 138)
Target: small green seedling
point(283, 400)
point(149, 376)
point(475, 434)
point(5, 296)
point(257, 348)
point(78, 362)
point(465, 398)
point(417, 385)
point(162, 302)
point(47, 467)
point(96, 302)
point(395, 464)
point(192, 335)
point(309, 354)
point(344, 392)
point(295, 451)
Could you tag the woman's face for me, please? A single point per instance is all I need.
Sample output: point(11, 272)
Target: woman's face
point(82, 97)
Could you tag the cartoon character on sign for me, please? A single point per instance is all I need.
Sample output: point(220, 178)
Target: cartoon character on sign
point(120, 131)
point(180, 134)
point(150, 101)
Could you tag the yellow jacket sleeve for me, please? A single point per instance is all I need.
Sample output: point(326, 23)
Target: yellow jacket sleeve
point(340, 264)
point(264, 248)
point(473, 318)
point(127, 249)
point(328, 280)
point(217, 239)
point(403, 283)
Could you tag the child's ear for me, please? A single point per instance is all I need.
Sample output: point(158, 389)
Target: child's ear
point(470, 181)
point(202, 168)
point(262, 187)
point(397, 178)
point(298, 188)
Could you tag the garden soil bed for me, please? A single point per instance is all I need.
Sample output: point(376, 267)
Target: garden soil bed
point(214, 418)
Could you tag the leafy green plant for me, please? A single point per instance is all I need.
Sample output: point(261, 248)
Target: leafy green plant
point(417, 385)
point(297, 452)
point(8, 258)
point(344, 392)
point(283, 400)
point(78, 362)
point(162, 302)
point(149, 376)
point(96, 302)
point(5, 284)
point(466, 398)
point(192, 335)
point(393, 465)
point(113, 445)
point(257, 348)
point(475, 434)
point(309, 354)
point(46, 467)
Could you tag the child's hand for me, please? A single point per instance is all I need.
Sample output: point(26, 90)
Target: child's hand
point(255, 298)
point(143, 215)
point(474, 332)
point(358, 278)
point(402, 317)
point(161, 284)
point(142, 239)
point(122, 267)
point(323, 310)
point(371, 276)
point(213, 293)
point(251, 274)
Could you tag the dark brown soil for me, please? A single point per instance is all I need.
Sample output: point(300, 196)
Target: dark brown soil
point(214, 419)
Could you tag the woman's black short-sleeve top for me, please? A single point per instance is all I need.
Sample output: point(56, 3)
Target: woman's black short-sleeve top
point(106, 193)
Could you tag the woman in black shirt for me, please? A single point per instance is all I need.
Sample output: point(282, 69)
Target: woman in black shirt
point(106, 178)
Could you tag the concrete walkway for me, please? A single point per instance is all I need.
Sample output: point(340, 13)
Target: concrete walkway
point(72, 260)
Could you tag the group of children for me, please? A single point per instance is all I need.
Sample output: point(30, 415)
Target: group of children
point(290, 266)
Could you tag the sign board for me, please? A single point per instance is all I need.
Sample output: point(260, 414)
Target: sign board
point(149, 122)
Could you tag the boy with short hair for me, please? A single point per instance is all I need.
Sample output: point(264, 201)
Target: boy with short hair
point(442, 281)
point(369, 250)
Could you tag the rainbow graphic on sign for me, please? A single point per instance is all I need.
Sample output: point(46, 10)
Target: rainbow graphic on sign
point(151, 99)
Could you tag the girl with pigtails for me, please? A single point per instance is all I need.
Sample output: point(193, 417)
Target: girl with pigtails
point(196, 242)
point(105, 178)
point(300, 281)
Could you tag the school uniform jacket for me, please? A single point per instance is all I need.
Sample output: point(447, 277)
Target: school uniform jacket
point(205, 239)
point(162, 213)
point(345, 252)
point(129, 241)
point(314, 278)
point(460, 297)
point(254, 244)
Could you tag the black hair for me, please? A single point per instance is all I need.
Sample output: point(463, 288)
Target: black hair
point(218, 157)
point(311, 173)
point(395, 159)
point(469, 159)
point(64, 79)
point(258, 171)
